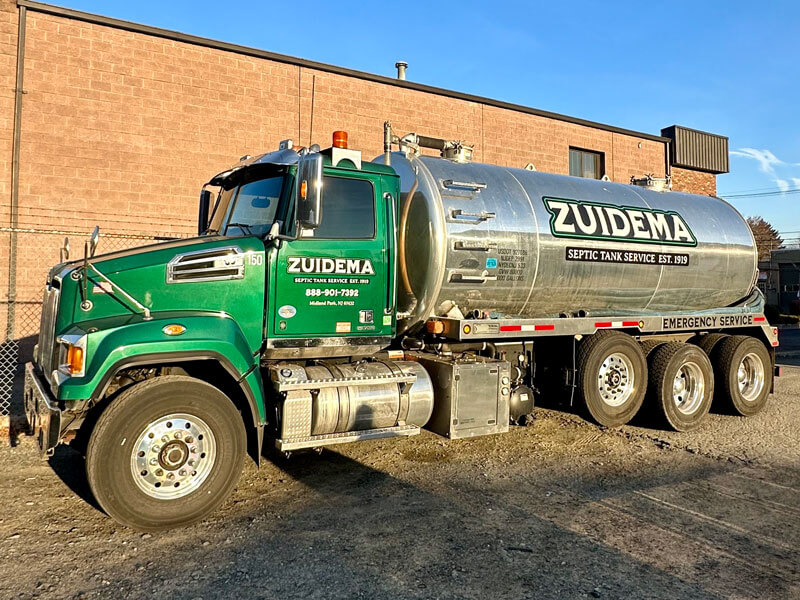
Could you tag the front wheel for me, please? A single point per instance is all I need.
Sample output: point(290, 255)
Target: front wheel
point(165, 453)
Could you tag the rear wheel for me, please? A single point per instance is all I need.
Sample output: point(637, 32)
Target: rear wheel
point(649, 345)
point(165, 453)
point(612, 377)
point(707, 341)
point(681, 385)
point(742, 365)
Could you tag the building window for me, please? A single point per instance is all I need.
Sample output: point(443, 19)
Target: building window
point(585, 163)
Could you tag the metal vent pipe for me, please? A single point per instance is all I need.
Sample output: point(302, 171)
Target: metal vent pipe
point(401, 69)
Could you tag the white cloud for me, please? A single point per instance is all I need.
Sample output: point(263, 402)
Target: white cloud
point(781, 173)
point(767, 161)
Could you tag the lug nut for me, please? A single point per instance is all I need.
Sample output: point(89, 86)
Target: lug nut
point(170, 475)
point(153, 461)
point(164, 439)
point(159, 473)
point(156, 448)
point(189, 439)
point(191, 463)
point(178, 435)
point(193, 449)
point(182, 472)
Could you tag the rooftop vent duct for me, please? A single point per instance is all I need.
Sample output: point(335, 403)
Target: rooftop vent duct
point(401, 69)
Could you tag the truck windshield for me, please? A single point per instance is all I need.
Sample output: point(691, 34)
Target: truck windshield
point(249, 208)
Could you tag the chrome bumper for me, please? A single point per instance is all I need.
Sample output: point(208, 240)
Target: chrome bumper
point(44, 419)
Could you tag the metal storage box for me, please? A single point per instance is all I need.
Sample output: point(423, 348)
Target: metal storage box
point(471, 394)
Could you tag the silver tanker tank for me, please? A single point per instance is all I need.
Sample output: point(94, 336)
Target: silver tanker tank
point(525, 243)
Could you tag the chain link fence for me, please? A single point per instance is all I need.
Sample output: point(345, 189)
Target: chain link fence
point(28, 255)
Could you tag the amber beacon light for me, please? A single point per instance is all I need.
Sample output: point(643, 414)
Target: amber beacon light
point(340, 139)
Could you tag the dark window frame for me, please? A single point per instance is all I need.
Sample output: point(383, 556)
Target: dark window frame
point(374, 213)
point(600, 161)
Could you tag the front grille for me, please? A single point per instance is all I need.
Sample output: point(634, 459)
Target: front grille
point(47, 355)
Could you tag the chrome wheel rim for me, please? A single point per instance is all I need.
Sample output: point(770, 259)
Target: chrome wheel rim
point(750, 377)
point(688, 388)
point(173, 456)
point(615, 379)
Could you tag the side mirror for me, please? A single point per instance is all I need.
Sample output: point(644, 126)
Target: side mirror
point(93, 239)
point(202, 217)
point(309, 191)
point(64, 253)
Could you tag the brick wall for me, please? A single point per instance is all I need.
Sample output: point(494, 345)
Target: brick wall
point(694, 182)
point(121, 129)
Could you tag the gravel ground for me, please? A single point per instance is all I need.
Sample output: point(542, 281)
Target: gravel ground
point(558, 509)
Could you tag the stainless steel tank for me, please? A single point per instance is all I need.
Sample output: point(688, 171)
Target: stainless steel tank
point(355, 408)
point(525, 243)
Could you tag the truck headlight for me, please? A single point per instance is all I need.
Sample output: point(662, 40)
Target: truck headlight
point(72, 355)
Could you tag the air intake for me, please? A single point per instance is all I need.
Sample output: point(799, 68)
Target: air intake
point(207, 265)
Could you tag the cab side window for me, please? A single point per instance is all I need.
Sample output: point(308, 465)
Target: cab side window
point(348, 210)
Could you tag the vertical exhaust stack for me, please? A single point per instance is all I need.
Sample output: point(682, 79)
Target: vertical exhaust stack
point(401, 69)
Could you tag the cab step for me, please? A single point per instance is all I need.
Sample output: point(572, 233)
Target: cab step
point(318, 384)
point(329, 439)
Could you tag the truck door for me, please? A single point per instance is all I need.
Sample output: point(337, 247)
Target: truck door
point(332, 281)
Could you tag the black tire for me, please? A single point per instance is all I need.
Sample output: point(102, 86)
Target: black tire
point(727, 357)
point(649, 345)
point(111, 454)
point(707, 341)
point(599, 388)
point(689, 362)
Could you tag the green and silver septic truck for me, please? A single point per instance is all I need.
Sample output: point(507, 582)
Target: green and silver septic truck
point(328, 300)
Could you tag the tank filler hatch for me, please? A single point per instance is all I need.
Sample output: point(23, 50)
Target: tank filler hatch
point(657, 184)
point(410, 144)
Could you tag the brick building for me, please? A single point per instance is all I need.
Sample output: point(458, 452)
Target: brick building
point(110, 123)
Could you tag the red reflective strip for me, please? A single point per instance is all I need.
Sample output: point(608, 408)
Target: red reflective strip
point(774, 343)
point(630, 323)
point(510, 327)
point(544, 327)
point(603, 324)
point(759, 319)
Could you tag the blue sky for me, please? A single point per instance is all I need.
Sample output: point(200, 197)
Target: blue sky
point(729, 67)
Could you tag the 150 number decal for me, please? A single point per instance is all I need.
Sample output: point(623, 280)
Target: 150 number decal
point(347, 293)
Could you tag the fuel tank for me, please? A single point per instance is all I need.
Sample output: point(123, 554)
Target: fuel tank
point(517, 243)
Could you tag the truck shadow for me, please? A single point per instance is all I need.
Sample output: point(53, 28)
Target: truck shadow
point(345, 529)
point(68, 464)
point(459, 526)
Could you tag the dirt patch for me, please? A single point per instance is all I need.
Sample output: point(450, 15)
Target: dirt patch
point(557, 509)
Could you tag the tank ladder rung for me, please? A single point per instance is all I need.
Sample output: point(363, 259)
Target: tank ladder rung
point(329, 439)
point(317, 384)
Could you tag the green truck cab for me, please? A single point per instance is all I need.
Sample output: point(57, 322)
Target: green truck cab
point(257, 286)
point(278, 325)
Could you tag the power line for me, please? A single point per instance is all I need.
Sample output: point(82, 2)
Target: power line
point(763, 194)
point(763, 189)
